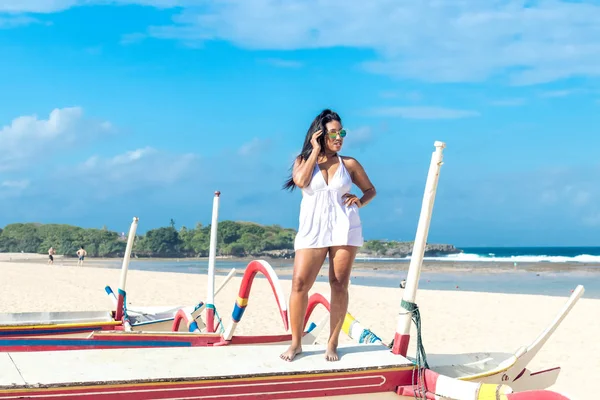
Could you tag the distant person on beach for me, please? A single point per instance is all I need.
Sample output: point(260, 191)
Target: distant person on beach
point(329, 224)
point(81, 253)
point(51, 254)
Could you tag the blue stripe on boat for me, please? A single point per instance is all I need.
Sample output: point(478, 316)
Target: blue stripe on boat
point(237, 312)
point(91, 343)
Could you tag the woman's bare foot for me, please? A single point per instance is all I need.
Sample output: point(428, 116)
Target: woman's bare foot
point(291, 353)
point(331, 353)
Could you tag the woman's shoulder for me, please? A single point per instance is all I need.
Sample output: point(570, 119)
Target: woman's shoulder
point(353, 166)
point(350, 161)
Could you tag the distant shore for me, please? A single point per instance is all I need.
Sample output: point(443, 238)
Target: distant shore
point(361, 263)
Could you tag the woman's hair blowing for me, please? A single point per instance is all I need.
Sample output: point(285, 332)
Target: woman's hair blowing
point(318, 123)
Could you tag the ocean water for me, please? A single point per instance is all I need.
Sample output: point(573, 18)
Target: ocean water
point(553, 280)
point(589, 255)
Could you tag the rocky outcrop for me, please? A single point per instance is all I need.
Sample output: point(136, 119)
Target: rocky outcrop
point(404, 249)
point(381, 249)
point(285, 253)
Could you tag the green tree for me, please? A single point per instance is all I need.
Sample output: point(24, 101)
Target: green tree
point(161, 242)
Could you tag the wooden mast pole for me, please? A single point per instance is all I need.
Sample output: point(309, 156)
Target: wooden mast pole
point(402, 336)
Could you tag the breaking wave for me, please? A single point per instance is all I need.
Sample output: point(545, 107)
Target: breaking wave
point(491, 257)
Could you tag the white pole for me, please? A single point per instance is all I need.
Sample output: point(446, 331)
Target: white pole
point(210, 295)
point(402, 336)
point(126, 257)
point(227, 279)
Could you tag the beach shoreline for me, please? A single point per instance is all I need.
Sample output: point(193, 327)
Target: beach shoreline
point(370, 263)
point(556, 280)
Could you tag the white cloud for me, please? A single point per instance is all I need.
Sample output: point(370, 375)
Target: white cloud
point(528, 42)
point(581, 198)
point(461, 40)
point(358, 139)
point(15, 184)
point(557, 93)
point(413, 96)
point(549, 196)
point(388, 94)
point(132, 38)
point(508, 102)
point(131, 170)
point(28, 136)
point(281, 63)
point(131, 156)
point(13, 188)
point(592, 219)
point(52, 6)
point(36, 6)
point(424, 112)
point(14, 21)
point(361, 134)
point(94, 50)
point(571, 192)
point(255, 146)
point(128, 157)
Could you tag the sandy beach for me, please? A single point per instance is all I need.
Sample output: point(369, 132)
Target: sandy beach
point(453, 322)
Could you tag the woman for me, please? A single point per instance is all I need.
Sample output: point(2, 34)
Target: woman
point(329, 224)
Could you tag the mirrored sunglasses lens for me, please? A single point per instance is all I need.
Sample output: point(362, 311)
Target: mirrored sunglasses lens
point(334, 135)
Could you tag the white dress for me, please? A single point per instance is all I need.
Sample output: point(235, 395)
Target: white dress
point(325, 220)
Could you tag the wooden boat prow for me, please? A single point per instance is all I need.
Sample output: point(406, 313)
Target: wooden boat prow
point(510, 368)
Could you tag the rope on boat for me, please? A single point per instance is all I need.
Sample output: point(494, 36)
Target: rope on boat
point(219, 320)
point(368, 337)
point(421, 357)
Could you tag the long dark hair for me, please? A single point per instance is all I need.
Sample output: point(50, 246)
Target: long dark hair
point(318, 123)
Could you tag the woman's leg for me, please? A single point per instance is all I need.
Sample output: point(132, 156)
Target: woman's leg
point(340, 266)
point(307, 264)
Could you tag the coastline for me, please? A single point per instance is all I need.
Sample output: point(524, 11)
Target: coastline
point(362, 263)
point(551, 279)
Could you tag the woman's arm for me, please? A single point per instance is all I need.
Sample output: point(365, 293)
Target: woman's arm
point(303, 169)
point(360, 179)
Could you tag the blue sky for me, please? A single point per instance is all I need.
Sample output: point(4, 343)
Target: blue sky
point(111, 109)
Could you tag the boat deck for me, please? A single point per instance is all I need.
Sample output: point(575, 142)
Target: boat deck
point(79, 367)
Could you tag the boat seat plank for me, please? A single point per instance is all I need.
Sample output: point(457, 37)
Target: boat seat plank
point(114, 365)
point(53, 318)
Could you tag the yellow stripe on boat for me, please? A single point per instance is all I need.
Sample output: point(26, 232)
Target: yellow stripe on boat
point(73, 325)
point(489, 391)
point(348, 321)
point(505, 366)
point(242, 302)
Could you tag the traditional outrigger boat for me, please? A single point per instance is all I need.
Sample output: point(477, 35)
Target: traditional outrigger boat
point(83, 323)
point(369, 369)
point(151, 326)
point(186, 330)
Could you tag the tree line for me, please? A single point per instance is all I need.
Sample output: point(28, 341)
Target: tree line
point(233, 238)
point(237, 239)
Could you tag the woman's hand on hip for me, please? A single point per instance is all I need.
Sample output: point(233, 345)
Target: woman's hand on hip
point(350, 199)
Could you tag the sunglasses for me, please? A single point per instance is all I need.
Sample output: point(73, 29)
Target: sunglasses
point(334, 134)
